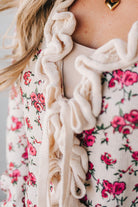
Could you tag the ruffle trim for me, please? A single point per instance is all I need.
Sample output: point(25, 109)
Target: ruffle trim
point(63, 161)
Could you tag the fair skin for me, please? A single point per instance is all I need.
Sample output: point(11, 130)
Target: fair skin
point(96, 25)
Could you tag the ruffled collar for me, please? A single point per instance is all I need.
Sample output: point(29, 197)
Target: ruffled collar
point(62, 160)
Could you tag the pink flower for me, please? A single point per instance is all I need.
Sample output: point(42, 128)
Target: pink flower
point(16, 124)
point(118, 188)
point(14, 180)
point(23, 201)
point(107, 139)
point(115, 189)
point(89, 132)
point(104, 193)
point(89, 140)
point(10, 146)
point(122, 100)
point(32, 149)
point(41, 98)
point(132, 116)
point(118, 75)
point(28, 123)
point(32, 178)
point(34, 97)
point(88, 176)
point(98, 181)
point(107, 159)
point(11, 165)
point(15, 173)
point(39, 82)
point(111, 83)
point(27, 78)
point(126, 78)
point(91, 165)
point(135, 155)
point(127, 129)
point(107, 186)
point(118, 121)
point(37, 106)
point(25, 178)
point(129, 78)
point(25, 154)
point(136, 64)
point(28, 203)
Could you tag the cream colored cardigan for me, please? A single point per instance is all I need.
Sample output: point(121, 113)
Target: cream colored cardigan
point(62, 158)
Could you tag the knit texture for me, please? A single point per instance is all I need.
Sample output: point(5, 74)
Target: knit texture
point(62, 159)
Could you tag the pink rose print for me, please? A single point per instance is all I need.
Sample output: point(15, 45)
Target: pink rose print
point(16, 124)
point(37, 106)
point(27, 77)
point(11, 165)
point(32, 178)
point(28, 123)
point(118, 121)
point(89, 140)
point(25, 178)
point(29, 203)
point(113, 189)
point(111, 83)
point(122, 124)
point(38, 100)
point(129, 78)
point(23, 201)
point(25, 154)
point(118, 188)
point(132, 117)
point(127, 129)
point(91, 165)
point(38, 122)
point(14, 175)
point(89, 132)
point(88, 176)
point(117, 76)
point(10, 146)
point(135, 155)
point(126, 78)
point(34, 97)
point(90, 170)
point(41, 98)
point(104, 105)
point(14, 93)
point(32, 149)
point(106, 158)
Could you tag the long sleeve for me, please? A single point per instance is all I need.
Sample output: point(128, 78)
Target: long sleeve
point(13, 179)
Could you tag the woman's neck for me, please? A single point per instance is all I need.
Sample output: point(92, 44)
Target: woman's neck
point(96, 24)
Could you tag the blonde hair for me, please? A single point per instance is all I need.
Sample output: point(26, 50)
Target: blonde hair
point(29, 33)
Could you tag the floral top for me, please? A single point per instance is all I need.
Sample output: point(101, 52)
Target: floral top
point(111, 146)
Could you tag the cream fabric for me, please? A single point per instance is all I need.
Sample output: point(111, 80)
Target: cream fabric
point(62, 158)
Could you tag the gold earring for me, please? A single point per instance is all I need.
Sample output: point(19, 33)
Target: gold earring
point(112, 4)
